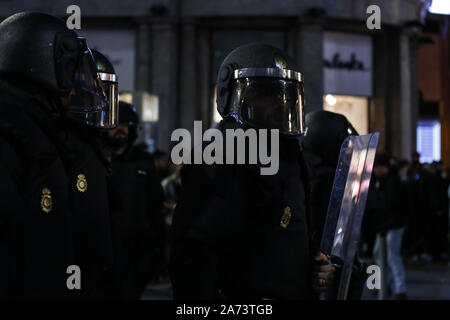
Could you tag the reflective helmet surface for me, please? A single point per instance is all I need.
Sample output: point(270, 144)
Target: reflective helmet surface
point(38, 48)
point(258, 85)
point(103, 63)
point(110, 82)
point(27, 48)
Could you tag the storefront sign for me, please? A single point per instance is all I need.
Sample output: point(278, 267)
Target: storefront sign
point(347, 64)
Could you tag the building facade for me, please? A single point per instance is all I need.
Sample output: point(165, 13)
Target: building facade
point(171, 50)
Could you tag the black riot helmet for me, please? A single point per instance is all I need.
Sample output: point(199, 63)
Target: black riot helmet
point(258, 86)
point(39, 50)
point(325, 132)
point(110, 82)
point(129, 116)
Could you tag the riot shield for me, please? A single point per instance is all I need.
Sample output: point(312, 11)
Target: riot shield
point(341, 232)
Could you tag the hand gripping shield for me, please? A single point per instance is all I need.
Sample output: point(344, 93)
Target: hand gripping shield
point(341, 232)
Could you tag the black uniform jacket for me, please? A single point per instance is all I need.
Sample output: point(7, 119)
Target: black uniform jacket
point(386, 207)
point(239, 234)
point(139, 230)
point(53, 205)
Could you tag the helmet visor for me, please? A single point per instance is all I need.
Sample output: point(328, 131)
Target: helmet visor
point(270, 103)
point(88, 100)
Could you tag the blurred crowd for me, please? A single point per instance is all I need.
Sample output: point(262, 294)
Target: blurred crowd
point(414, 196)
point(407, 217)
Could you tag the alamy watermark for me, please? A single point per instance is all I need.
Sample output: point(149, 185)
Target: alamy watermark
point(374, 280)
point(74, 20)
point(374, 20)
point(74, 278)
point(235, 140)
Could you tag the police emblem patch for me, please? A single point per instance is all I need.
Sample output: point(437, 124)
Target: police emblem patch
point(46, 200)
point(286, 218)
point(81, 183)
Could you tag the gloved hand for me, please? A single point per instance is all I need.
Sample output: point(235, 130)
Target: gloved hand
point(323, 273)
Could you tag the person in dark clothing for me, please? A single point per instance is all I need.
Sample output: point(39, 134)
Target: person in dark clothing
point(88, 168)
point(237, 233)
point(325, 133)
point(386, 205)
point(389, 196)
point(440, 216)
point(136, 206)
point(423, 206)
point(33, 178)
point(54, 203)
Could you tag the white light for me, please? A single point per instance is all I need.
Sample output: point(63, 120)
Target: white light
point(429, 140)
point(150, 107)
point(126, 97)
point(330, 99)
point(440, 7)
point(216, 115)
point(437, 141)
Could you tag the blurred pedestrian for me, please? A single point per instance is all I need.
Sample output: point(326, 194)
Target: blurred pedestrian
point(440, 221)
point(386, 203)
point(423, 206)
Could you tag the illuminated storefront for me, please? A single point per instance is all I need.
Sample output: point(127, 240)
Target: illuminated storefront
point(348, 76)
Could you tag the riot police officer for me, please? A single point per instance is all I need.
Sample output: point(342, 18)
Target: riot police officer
point(136, 207)
point(325, 133)
point(236, 233)
point(54, 213)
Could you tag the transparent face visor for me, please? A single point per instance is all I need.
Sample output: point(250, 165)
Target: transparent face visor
point(89, 99)
point(269, 98)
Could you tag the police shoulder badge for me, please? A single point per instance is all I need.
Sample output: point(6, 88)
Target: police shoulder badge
point(286, 218)
point(81, 183)
point(46, 200)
